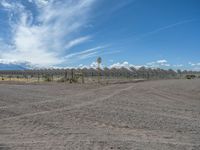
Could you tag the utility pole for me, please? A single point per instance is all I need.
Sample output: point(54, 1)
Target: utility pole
point(38, 75)
point(99, 60)
point(65, 79)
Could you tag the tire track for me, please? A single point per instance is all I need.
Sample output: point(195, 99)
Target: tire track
point(61, 99)
point(76, 106)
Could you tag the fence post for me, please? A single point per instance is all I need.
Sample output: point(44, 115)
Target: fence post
point(38, 77)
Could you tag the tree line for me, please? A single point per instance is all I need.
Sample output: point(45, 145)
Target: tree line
point(72, 74)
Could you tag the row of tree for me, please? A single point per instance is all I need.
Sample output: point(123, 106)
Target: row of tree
point(146, 73)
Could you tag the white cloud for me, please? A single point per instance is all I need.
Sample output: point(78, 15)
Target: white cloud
point(115, 65)
point(5, 4)
point(191, 64)
point(43, 39)
point(178, 65)
point(161, 61)
point(194, 64)
point(41, 2)
point(124, 64)
point(158, 63)
point(93, 65)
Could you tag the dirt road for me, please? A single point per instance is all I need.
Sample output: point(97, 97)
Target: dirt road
point(153, 115)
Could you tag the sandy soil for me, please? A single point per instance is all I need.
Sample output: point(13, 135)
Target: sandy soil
point(153, 115)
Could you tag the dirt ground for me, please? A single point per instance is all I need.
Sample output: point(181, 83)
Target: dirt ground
point(152, 115)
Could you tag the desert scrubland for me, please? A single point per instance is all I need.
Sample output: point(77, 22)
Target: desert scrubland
point(153, 115)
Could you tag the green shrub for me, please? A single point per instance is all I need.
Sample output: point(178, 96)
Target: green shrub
point(62, 80)
point(73, 80)
point(47, 78)
point(190, 76)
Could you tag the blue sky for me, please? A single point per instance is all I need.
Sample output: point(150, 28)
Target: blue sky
point(66, 33)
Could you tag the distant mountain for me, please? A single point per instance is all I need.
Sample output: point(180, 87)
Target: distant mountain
point(12, 66)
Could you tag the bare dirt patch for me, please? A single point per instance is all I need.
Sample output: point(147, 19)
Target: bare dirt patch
point(148, 115)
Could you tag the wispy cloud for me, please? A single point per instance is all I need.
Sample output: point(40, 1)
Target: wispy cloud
point(165, 28)
point(83, 54)
point(43, 39)
point(121, 5)
point(77, 41)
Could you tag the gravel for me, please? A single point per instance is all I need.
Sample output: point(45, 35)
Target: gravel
point(152, 115)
